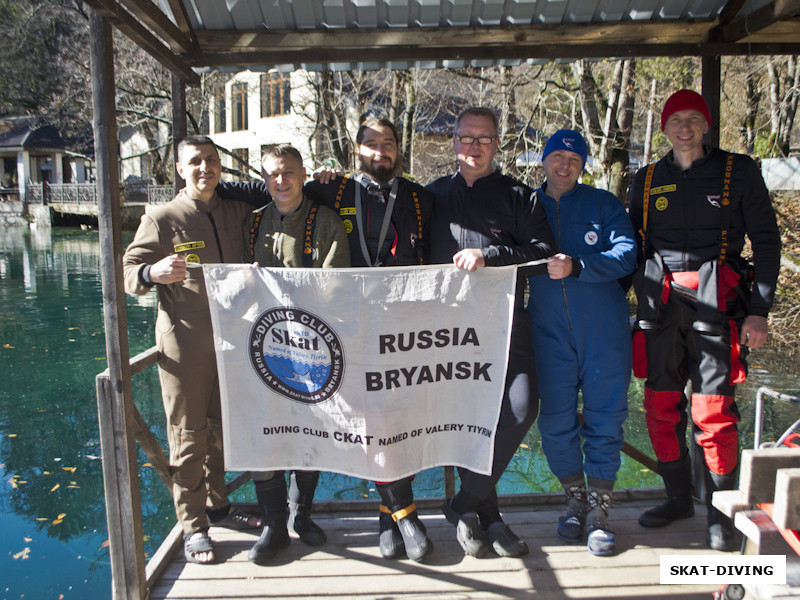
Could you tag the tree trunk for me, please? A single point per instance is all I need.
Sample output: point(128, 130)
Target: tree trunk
point(648, 135)
point(409, 116)
point(753, 98)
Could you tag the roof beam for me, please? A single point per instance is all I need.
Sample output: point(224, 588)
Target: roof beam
point(220, 41)
point(281, 56)
point(181, 18)
point(759, 19)
point(149, 14)
point(127, 24)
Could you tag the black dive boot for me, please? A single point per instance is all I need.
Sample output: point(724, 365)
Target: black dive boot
point(721, 534)
point(302, 485)
point(504, 541)
point(271, 495)
point(677, 477)
point(398, 497)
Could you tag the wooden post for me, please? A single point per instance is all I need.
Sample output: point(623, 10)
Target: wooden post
point(114, 394)
point(178, 123)
point(712, 69)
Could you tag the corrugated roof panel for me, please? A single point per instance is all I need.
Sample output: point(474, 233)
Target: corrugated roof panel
point(612, 10)
point(675, 9)
point(370, 14)
point(213, 15)
point(245, 14)
point(365, 14)
point(491, 12)
point(334, 15)
point(552, 11)
point(276, 15)
point(644, 10)
point(460, 14)
point(305, 13)
point(580, 11)
point(704, 9)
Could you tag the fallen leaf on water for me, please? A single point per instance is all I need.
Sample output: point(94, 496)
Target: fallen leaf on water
point(146, 465)
point(55, 487)
point(23, 554)
point(61, 597)
point(70, 469)
point(12, 435)
point(104, 544)
point(73, 487)
point(524, 446)
point(42, 519)
point(27, 539)
point(57, 521)
point(8, 346)
point(99, 357)
point(62, 515)
point(13, 484)
point(45, 472)
point(72, 328)
point(21, 481)
point(92, 457)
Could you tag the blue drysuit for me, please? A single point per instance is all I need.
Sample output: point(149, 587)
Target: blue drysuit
point(581, 334)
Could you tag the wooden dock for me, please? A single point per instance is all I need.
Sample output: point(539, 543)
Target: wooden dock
point(350, 565)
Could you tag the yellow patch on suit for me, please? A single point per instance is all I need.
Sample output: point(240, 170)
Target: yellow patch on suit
point(663, 189)
point(662, 203)
point(189, 246)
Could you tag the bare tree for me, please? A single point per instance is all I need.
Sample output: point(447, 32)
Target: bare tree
point(609, 141)
point(784, 93)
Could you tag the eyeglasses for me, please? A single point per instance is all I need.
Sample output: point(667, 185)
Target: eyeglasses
point(468, 139)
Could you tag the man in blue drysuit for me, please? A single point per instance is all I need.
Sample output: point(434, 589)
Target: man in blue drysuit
point(581, 336)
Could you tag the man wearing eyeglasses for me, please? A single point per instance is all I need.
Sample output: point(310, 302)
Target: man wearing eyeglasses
point(483, 218)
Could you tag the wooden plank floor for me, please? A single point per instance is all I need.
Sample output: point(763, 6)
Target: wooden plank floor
point(350, 566)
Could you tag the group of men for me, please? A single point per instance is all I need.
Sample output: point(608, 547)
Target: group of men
point(688, 220)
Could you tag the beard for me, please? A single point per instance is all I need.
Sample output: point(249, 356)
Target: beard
point(380, 174)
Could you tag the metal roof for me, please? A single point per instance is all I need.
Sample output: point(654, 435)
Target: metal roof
point(191, 35)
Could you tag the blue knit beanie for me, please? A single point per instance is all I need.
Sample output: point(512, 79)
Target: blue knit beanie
point(569, 140)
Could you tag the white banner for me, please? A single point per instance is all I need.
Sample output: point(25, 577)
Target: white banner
point(375, 373)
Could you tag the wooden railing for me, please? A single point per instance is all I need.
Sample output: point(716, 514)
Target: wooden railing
point(86, 193)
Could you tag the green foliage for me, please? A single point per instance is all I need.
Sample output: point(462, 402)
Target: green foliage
point(765, 146)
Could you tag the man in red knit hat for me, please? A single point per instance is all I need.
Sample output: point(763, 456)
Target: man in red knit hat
point(701, 306)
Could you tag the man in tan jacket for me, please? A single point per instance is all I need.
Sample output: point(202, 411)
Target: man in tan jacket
point(172, 240)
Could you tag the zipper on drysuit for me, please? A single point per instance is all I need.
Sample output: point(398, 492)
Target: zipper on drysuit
point(561, 281)
point(216, 237)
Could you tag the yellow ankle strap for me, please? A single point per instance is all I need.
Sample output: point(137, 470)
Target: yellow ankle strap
point(404, 512)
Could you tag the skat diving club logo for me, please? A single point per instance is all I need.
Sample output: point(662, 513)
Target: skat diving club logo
point(297, 354)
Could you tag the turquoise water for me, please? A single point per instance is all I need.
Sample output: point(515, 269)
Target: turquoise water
point(52, 515)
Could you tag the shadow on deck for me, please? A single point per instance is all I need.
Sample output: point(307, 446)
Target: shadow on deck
point(350, 565)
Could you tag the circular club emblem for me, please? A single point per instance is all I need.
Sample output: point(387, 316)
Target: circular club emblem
point(590, 238)
point(348, 225)
point(661, 203)
point(297, 354)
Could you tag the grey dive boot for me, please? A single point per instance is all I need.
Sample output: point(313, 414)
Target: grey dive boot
point(600, 540)
point(572, 524)
point(271, 496)
point(302, 485)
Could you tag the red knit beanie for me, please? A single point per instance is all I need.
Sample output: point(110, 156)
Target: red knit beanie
point(684, 100)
